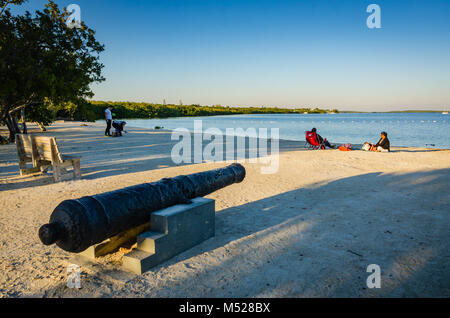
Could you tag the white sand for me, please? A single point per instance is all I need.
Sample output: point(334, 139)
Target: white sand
point(309, 230)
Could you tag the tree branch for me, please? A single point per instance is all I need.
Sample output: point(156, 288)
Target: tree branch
point(4, 7)
point(28, 102)
point(17, 108)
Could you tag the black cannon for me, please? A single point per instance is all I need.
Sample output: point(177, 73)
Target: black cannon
point(77, 224)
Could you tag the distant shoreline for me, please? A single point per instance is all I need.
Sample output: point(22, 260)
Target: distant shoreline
point(393, 111)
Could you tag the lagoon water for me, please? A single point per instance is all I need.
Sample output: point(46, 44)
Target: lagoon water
point(431, 130)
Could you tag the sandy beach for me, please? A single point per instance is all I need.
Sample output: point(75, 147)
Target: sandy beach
point(309, 230)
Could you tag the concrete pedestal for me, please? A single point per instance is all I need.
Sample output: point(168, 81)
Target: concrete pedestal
point(172, 231)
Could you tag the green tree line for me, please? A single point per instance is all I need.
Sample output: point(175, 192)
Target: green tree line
point(94, 110)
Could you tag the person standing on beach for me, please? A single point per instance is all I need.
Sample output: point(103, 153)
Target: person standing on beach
point(108, 118)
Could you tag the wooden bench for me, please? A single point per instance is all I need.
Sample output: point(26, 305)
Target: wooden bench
point(43, 152)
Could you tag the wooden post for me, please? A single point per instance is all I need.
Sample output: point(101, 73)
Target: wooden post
point(76, 168)
point(56, 160)
point(56, 171)
point(34, 152)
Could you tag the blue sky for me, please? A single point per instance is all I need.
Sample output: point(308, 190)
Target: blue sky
point(316, 53)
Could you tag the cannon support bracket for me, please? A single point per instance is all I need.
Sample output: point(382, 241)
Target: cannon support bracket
point(172, 231)
point(125, 239)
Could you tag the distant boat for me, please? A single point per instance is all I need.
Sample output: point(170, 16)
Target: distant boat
point(444, 113)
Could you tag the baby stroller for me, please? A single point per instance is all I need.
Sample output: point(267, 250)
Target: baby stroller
point(312, 142)
point(119, 126)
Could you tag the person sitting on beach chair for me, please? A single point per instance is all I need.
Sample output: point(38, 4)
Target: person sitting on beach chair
point(119, 126)
point(383, 145)
point(315, 141)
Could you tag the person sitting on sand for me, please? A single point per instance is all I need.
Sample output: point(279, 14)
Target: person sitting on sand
point(321, 140)
point(383, 145)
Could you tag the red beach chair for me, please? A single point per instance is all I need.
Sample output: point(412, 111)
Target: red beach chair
point(312, 142)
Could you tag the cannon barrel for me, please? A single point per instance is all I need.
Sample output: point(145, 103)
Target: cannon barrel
point(77, 224)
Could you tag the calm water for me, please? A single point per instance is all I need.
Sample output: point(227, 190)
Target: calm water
point(404, 129)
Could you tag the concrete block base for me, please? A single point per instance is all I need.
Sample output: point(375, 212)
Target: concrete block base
point(172, 231)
